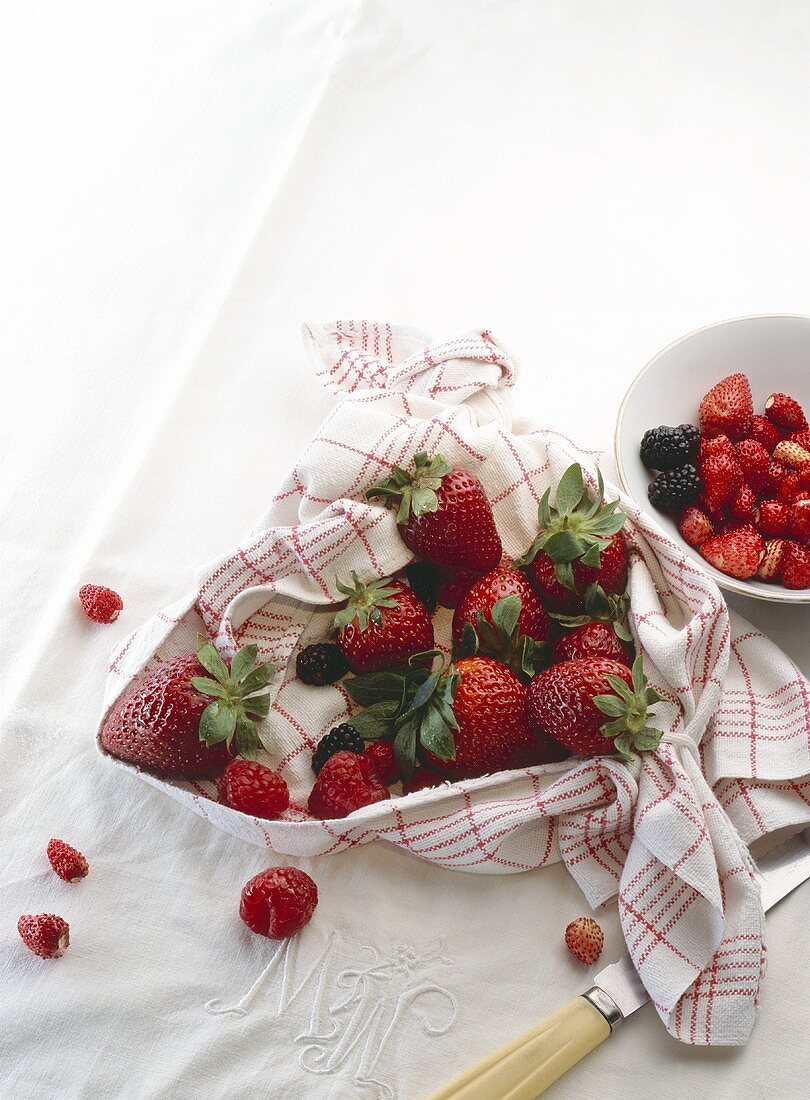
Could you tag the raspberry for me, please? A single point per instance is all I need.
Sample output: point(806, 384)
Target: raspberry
point(774, 519)
point(585, 939)
point(673, 489)
point(345, 783)
point(320, 664)
point(421, 779)
point(278, 902)
point(785, 412)
point(45, 934)
point(695, 526)
point(381, 755)
point(66, 861)
point(343, 736)
point(796, 566)
point(764, 432)
point(100, 604)
point(800, 521)
point(251, 788)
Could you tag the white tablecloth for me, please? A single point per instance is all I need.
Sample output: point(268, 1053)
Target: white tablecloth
point(184, 184)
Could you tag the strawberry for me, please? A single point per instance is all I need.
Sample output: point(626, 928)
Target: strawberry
point(165, 720)
point(791, 453)
point(501, 617)
point(785, 412)
point(711, 446)
point(789, 487)
point(383, 760)
point(764, 432)
point(383, 624)
point(345, 783)
point(755, 461)
point(579, 545)
point(585, 940)
point(727, 408)
point(770, 568)
point(251, 788)
point(601, 631)
point(777, 472)
point(68, 863)
point(800, 521)
point(744, 503)
point(278, 902)
point(796, 566)
point(773, 519)
point(736, 551)
point(443, 514)
point(100, 604)
point(454, 587)
point(722, 479)
point(801, 437)
point(421, 779)
point(45, 934)
point(570, 702)
point(803, 474)
point(695, 526)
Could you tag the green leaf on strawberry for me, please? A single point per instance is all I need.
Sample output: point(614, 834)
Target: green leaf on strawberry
point(602, 608)
point(235, 697)
point(502, 640)
point(628, 709)
point(365, 601)
point(416, 492)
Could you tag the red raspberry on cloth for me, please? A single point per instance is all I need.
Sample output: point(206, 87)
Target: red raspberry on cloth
point(100, 604)
point(278, 902)
point(381, 755)
point(251, 788)
point(46, 934)
point(68, 863)
point(344, 784)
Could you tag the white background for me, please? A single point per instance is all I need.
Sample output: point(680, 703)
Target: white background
point(184, 184)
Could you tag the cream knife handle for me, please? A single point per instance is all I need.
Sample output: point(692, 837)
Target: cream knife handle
point(527, 1066)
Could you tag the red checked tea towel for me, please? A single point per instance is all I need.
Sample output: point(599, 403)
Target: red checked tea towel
point(666, 834)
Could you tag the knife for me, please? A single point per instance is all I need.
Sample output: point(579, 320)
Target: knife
point(526, 1067)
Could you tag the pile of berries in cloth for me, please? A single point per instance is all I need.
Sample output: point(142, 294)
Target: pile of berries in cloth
point(542, 664)
point(739, 484)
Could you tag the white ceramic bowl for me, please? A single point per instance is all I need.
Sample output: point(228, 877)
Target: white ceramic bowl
point(774, 351)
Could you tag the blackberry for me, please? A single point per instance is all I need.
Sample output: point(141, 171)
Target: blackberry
point(343, 737)
point(320, 664)
point(674, 489)
point(667, 448)
point(423, 577)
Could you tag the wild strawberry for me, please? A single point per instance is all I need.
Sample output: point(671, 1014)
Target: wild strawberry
point(711, 446)
point(796, 566)
point(789, 488)
point(770, 568)
point(802, 437)
point(454, 586)
point(100, 604)
point(68, 863)
point(443, 514)
point(777, 472)
point(382, 625)
point(579, 545)
point(764, 432)
point(383, 759)
point(421, 779)
point(742, 506)
point(754, 460)
point(345, 783)
point(165, 720)
point(773, 519)
point(501, 617)
point(716, 516)
point(785, 412)
point(722, 479)
point(727, 408)
point(585, 940)
point(601, 631)
point(695, 526)
point(278, 902)
point(736, 551)
point(45, 934)
point(800, 521)
point(803, 474)
point(574, 701)
point(791, 454)
point(251, 788)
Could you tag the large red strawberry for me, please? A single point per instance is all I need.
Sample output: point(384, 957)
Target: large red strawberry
point(727, 408)
point(443, 514)
point(177, 720)
point(382, 625)
point(736, 551)
point(503, 618)
point(595, 706)
point(579, 545)
point(601, 631)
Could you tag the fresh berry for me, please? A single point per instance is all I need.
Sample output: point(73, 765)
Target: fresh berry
point(674, 489)
point(382, 625)
point(773, 519)
point(593, 639)
point(777, 472)
point(727, 408)
point(789, 487)
point(791, 454)
point(501, 617)
point(803, 474)
point(695, 526)
point(801, 437)
point(755, 462)
point(665, 448)
point(342, 738)
point(716, 515)
point(424, 579)
point(743, 505)
point(345, 783)
point(736, 551)
point(711, 446)
point(785, 412)
point(319, 664)
point(100, 604)
point(770, 568)
point(585, 940)
point(764, 432)
point(421, 779)
point(251, 788)
point(800, 521)
point(383, 758)
point(595, 706)
point(722, 478)
point(68, 863)
point(579, 545)
point(796, 566)
point(444, 514)
point(454, 587)
point(166, 720)
point(45, 934)
point(278, 902)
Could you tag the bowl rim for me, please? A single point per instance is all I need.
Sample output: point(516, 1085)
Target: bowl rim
point(732, 584)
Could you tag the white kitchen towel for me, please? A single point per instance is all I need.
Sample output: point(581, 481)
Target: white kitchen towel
point(667, 833)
